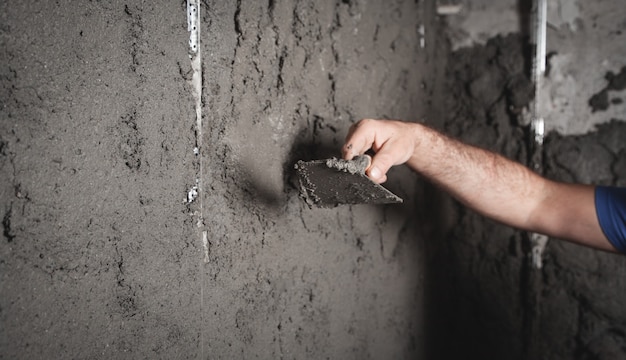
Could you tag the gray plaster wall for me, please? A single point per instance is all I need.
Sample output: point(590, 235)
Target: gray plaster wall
point(98, 257)
point(101, 255)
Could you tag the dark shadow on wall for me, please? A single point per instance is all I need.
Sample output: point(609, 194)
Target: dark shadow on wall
point(474, 266)
point(527, 24)
point(258, 191)
point(309, 144)
point(524, 11)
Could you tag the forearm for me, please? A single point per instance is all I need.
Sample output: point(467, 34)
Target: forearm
point(507, 191)
point(487, 182)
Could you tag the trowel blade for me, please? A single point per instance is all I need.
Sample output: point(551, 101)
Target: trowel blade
point(331, 182)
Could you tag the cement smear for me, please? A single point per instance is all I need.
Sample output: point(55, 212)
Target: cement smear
point(358, 165)
point(603, 99)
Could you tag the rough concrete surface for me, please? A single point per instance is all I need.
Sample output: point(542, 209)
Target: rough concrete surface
point(585, 41)
point(474, 271)
point(480, 20)
point(101, 255)
point(581, 51)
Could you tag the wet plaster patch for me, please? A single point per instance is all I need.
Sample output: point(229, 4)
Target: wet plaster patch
point(607, 96)
point(99, 253)
point(584, 43)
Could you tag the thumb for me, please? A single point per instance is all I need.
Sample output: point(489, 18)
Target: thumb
point(381, 163)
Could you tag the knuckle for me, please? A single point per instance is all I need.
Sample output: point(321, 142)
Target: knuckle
point(362, 122)
point(368, 122)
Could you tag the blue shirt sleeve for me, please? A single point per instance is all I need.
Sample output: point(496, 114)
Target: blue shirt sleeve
point(611, 211)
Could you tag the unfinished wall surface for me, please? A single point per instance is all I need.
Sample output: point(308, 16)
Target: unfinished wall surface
point(484, 296)
point(584, 43)
point(101, 253)
point(577, 309)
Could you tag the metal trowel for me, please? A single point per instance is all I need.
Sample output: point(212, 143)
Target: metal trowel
point(332, 182)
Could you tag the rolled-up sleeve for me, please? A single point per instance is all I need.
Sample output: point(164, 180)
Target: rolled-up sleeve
point(611, 212)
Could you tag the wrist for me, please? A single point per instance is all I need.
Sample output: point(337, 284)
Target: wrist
point(419, 134)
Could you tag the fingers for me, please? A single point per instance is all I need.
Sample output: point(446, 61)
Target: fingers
point(385, 137)
point(359, 139)
point(394, 142)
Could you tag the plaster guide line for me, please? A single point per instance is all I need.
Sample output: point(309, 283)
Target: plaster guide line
point(193, 26)
point(195, 55)
point(537, 125)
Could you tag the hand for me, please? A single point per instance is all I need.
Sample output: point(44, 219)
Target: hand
point(393, 142)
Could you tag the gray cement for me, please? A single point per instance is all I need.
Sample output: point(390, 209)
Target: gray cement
point(358, 165)
point(333, 182)
point(98, 257)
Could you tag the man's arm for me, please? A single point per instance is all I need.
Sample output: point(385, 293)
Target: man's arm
point(490, 184)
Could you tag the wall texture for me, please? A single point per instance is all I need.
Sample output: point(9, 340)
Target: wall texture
point(98, 254)
point(584, 42)
point(101, 255)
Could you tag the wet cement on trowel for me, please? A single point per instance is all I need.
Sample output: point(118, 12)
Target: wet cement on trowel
point(331, 182)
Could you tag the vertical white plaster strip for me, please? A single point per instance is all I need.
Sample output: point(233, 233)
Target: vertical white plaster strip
point(538, 241)
point(205, 245)
point(193, 26)
point(195, 55)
